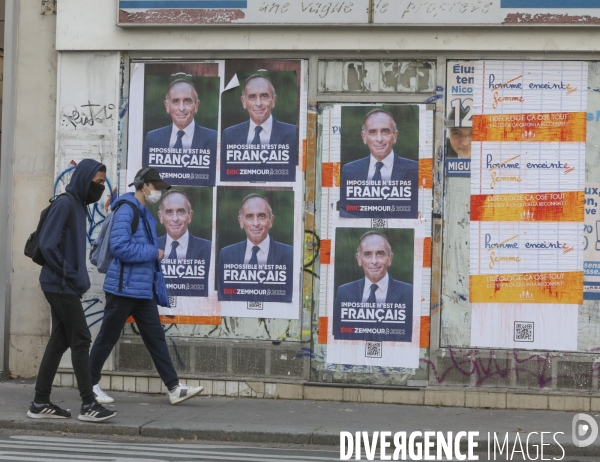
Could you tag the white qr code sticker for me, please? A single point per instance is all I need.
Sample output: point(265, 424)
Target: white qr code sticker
point(523, 331)
point(373, 350)
point(255, 305)
point(379, 223)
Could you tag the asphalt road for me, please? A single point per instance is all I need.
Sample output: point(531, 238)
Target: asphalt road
point(17, 446)
point(52, 448)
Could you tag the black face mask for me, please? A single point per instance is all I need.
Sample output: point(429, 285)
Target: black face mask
point(94, 193)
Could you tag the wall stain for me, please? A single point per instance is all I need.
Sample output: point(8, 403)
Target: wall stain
point(526, 18)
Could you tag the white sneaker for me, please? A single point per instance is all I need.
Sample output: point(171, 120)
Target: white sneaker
point(182, 392)
point(101, 396)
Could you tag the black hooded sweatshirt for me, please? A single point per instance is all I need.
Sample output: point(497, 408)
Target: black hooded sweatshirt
point(69, 262)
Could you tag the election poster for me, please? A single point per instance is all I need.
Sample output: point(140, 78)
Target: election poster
point(181, 107)
point(254, 243)
point(374, 290)
point(184, 216)
point(375, 269)
point(178, 114)
point(259, 121)
point(379, 157)
point(459, 117)
point(591, 265)
point(527, 203)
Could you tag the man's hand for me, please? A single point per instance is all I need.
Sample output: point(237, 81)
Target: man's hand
point(161, 254)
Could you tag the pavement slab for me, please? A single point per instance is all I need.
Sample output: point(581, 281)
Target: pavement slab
point(213, 418)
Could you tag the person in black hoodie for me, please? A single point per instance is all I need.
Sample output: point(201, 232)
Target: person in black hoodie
point(64, 279)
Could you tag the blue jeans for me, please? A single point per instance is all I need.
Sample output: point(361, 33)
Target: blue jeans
point(145, 313)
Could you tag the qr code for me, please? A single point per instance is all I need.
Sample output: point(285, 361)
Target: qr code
point(373, 350)
point(523, 331)
point(172, 301)
point(255, 305)
point(379, 223)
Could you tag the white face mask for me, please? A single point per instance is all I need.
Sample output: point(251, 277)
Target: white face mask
point(153, 197)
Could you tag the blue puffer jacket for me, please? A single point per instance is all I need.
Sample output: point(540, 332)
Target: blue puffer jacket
point(139, 252)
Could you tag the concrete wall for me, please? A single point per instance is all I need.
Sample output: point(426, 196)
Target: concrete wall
point(87, 126)
point(33, 168)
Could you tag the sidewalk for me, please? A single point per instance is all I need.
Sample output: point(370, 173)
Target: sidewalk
point(278, 421)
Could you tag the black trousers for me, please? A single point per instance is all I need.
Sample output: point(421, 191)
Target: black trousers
point(69, 330)
point(145, 313)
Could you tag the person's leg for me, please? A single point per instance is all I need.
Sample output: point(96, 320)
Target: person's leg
point(116, 312)
point(80, 339)
point(145, 313)
point(57, 345)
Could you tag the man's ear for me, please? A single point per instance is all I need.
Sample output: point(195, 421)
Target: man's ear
point(362, 135)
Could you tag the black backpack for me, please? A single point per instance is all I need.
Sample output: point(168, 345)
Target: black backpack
point(32, 246)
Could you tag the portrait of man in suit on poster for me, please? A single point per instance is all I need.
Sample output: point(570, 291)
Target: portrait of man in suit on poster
point(181, 246)
point(257, 253)
point(377, 300)
point(263, 133)
point(183, 146)
point(383, 184)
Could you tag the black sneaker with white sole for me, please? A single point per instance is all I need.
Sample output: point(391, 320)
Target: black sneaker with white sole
point(47, 411)
point(95, 412)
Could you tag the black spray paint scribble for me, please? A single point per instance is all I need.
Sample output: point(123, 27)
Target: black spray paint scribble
point(87, 114)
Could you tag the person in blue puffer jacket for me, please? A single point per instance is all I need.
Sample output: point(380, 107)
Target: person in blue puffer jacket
point(129, 287)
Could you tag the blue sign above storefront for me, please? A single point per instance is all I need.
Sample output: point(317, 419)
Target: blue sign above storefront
point(550, 4)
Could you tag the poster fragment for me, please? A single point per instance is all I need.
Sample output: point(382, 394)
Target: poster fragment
point(230, 226)
point(527, 203)
point(376, 187)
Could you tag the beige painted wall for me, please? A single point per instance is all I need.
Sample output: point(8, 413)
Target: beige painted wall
point(33, 180)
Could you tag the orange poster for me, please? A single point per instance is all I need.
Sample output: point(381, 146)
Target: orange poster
point(527, 203)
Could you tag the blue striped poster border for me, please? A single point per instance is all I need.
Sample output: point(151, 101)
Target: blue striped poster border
point(562, 4)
